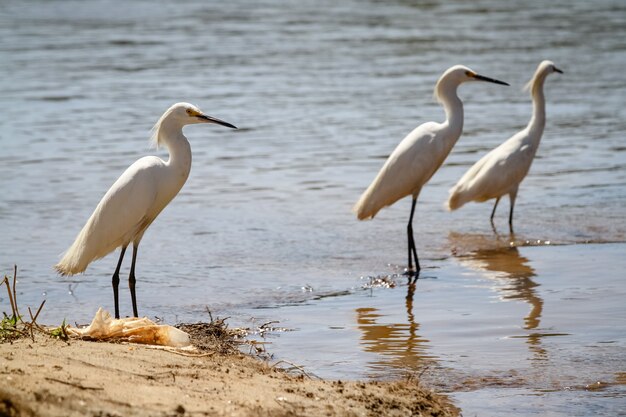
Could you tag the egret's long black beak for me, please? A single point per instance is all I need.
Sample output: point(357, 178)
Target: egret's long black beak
point(558, 70)
point(491, 80)
point(216, 121)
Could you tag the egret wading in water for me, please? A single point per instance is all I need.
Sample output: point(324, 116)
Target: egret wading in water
point(419, 155)
point(502, 170)
point(136, 199)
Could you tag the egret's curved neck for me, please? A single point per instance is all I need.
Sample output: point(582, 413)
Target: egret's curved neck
point(171, 135)
point(538, 120)
point(453, 106)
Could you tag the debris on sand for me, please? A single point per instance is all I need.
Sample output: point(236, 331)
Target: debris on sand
point(130, 329)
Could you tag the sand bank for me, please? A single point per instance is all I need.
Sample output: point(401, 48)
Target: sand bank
point(50, 377)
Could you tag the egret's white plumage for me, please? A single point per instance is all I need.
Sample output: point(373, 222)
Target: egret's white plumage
point(420, 154)
point(137, 197)
point(501, 171)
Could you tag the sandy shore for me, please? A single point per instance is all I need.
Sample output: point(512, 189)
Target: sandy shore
point(50, 377)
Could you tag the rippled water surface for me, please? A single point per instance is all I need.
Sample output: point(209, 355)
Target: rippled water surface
point(262, 230)
point(506, 331)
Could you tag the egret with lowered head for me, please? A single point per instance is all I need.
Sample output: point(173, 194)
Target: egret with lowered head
point(136, 199)
point(419, 155)
point(502, 170)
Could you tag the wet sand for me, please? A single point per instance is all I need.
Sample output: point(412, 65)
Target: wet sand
point(54, 378)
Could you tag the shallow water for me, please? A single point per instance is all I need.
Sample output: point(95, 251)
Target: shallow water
point(322, 93)
point(535, 330)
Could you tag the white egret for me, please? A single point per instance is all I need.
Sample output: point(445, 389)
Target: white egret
point(136, 199)
point(502, 170)
point(419, 155)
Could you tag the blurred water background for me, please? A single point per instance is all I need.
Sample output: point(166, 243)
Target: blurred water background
point(322, 92)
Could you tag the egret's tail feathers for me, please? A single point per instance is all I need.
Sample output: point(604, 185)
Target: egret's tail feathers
point(366, 207)
point(73, 260)
point(78, 256)
point(66, 267)
point(456, 199)
point(87, 247)
point(361, 213)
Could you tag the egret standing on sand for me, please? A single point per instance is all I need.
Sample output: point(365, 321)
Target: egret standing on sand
point(502, 170)
point(136, 199)
point(419, 155)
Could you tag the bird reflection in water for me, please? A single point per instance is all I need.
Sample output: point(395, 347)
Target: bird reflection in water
point(398, 345)
point(515, 278)
point(512, 274)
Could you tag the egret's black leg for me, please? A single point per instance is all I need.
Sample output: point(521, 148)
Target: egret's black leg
point(409, 233)
point(512, 197)
point(116, 283)
point(131, 281)
point(511, 217)
point(411, 241)
point(414, 251)
point(493, 212)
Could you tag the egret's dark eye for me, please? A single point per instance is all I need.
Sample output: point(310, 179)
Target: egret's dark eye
point(469, 74)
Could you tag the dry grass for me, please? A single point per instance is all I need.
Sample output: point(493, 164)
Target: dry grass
point(214, 336)
point(15, 326)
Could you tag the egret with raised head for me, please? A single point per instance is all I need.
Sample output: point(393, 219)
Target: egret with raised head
point(419, 155)
point(501, 171)
point(136, 199)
